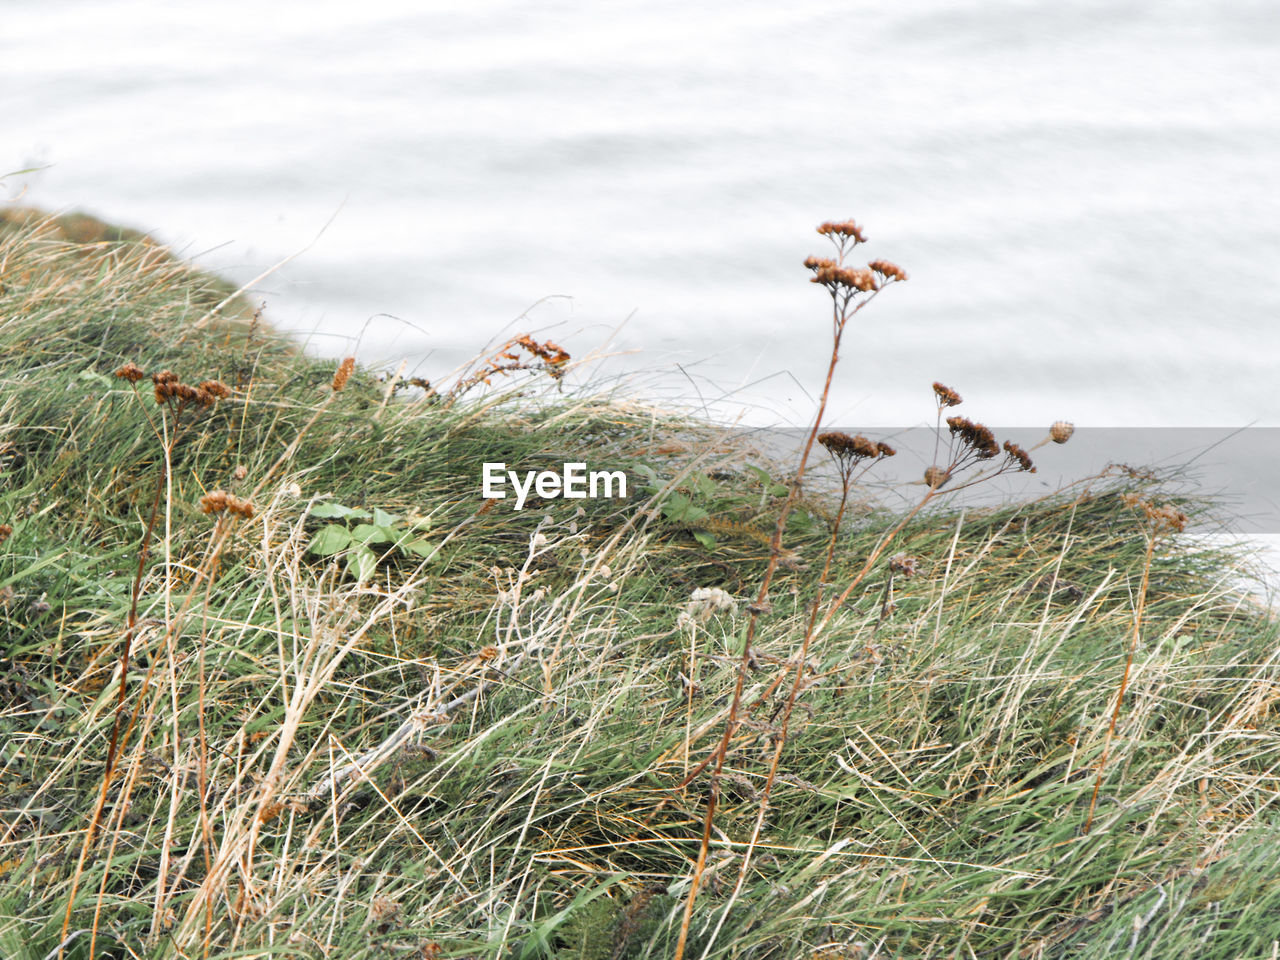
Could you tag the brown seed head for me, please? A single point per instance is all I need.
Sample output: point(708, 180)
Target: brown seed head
point(946, 396)
point(1061, 431)
point(1018, 455)
point(885, 450)
point(344, 374)
point(131, 372)
point(219, 500)
point(890, 271)
point(6, 532)
point(216, 389)
point(935, 476)
point(164, 376)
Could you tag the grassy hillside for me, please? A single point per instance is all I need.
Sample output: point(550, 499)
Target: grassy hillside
point(382, 717)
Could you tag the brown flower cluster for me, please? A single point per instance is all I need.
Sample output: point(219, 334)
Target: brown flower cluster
point(1019, 456)
point(975, 436)
point(6, 532)
point(131, 372)
point(847, 449)
point(219, 501)
point(827, 273)
point(946, 396)
point(170, 388)
point(888, 270)
point(843, 228)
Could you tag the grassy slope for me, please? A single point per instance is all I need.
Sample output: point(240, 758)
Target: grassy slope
point(934, 784)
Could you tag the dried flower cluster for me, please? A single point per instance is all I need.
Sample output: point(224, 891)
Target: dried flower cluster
point(842, 228)
point(834, 277)
point(131, 372)
point(553, 354)
point(844, 447)
point(1061, 431)
point(219, 501)
point(1164, 519)
point(946, 396)
point(890, 271)
point(976, 437)
point(6, 532)
point(508, 360)
point(1019, 456)
point(172, 391)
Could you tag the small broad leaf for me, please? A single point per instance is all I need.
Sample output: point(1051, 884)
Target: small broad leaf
point(418, 547)
point(704, 485)
point(779, 489)
point(330, 539)
point(384, 519)
point(328, 511)
point(369, 533)
point(361, 563)
point(704, 538)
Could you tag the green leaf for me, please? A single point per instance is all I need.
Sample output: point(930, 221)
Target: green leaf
point(704, 538)
point(779, 489)
point(760, 475)
point(418, 547)
point(704, 485)
point(369, 533)
point(330, 511)
point(330, 539)
point(361, 563)
point(384, 519)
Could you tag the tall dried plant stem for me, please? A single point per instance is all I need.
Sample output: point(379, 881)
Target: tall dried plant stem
point(786, 718)
point(1134, 639)
point(841, 314)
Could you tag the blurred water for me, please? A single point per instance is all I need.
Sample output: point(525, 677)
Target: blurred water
point(1087, 194)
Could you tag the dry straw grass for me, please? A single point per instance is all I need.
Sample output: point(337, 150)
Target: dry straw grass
point(505, 743)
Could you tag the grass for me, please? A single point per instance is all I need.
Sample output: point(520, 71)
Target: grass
point(510, 709)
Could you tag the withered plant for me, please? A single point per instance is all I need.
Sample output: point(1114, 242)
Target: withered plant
point(967, 445)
